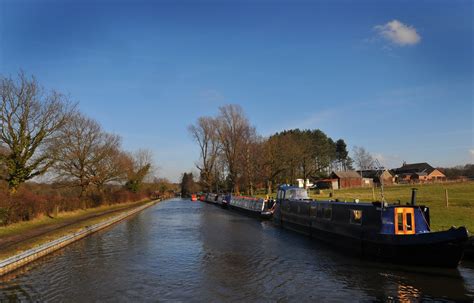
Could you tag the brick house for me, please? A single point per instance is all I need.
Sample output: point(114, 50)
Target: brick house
point(418, 173)
point(376, 175)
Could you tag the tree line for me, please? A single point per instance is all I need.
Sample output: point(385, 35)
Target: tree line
point(235, 158)
point(466, 170)
point(43, 133)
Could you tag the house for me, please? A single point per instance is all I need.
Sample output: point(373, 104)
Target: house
point(418, 173)
point(377, 176)
point(347, 179)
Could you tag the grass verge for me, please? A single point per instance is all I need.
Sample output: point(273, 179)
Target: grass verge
point(22, 236)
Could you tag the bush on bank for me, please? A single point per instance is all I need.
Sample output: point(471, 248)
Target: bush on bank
point(36, 200)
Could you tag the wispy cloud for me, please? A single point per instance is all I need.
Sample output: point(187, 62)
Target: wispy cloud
point(398, 33)
point(471, 152)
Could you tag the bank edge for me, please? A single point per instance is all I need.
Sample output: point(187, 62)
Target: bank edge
point(14, 262)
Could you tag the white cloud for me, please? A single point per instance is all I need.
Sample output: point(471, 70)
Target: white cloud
point(471, 152)
point(398, 33)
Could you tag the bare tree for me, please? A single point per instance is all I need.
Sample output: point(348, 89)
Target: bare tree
point(204, 132)
point(362, 158)
point(234, 132)
point(74, 149)
point(109, 162)
point(87, 155)
point(30, 120)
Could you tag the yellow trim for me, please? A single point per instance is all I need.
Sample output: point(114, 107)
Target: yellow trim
point(404, 211)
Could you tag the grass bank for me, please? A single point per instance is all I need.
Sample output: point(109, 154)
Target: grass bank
point(459, 213)
point(18, 237)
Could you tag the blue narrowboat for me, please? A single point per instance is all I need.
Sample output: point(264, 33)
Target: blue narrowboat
point(260, 208)
point(394, 233)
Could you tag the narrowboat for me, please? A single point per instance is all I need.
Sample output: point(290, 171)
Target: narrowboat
point(220, 199)
point(202, 198)
point(193, 197)
point(225, 201)
point(211, 198)
point(394, 233)
point(252, 206)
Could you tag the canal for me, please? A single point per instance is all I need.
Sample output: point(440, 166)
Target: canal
point(191, 251)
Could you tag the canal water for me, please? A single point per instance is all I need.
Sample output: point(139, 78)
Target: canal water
point(180, 250)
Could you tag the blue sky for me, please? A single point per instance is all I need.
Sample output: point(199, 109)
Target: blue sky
point(395, 77)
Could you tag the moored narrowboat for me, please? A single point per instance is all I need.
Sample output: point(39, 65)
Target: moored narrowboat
point(394, 233)
point(211, 198)
point(220, 199)
point(226, 200)
point(252, 206)
point(193, 197)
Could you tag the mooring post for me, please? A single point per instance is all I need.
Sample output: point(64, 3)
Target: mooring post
point(446, 197)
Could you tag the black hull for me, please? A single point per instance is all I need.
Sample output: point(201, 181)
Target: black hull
point(437, 249)
point(469, 252)
point(250, 213)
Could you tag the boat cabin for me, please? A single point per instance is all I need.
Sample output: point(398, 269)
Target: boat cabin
point(372, 217)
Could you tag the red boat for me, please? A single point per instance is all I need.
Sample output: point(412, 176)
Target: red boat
point(193, 197)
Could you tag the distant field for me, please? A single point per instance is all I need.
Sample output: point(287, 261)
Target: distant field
point(461, 201)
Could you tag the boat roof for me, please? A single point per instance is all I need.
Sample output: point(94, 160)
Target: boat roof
point(365, 203)
point(287, 186)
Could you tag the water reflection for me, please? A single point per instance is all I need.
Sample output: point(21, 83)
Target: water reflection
point(187, 251)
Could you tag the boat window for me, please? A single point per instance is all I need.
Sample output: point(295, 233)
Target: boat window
point(400, 221)
point(356, 216)
point(313, 211)
point(404, 221)
point(280, 194)
point(319, 212)
point(409, 223)
point(327, 213)
point(296, 194)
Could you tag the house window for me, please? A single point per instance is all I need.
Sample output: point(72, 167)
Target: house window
point(356, 216)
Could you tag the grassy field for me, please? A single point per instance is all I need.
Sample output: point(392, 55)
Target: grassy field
point(461, 201)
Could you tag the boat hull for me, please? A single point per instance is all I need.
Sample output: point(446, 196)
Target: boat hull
point(443, 249)
point(265, 215)
point(437, 249)
point(469, 251)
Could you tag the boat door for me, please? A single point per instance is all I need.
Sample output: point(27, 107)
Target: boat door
point(404, 220)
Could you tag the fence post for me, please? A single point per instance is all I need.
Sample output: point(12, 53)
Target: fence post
point(446, 197)
point(373, 193)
